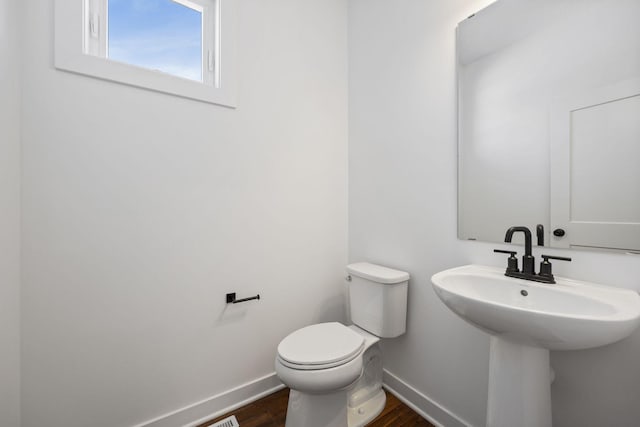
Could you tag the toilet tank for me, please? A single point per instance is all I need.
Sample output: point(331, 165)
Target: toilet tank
point(378, 299)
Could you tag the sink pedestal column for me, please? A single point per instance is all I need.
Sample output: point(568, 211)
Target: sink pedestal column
point(519, 385)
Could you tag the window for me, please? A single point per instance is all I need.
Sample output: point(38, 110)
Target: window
point(182, 47)
point(163, 35)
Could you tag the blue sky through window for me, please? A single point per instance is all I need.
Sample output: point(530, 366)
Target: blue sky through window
point(158, 35)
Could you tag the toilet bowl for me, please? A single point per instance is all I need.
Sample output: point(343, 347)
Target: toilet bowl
point(341, 386)
point(335, 371)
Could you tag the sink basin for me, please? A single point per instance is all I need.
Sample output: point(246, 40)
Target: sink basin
point(568, 315)
point(525, 320)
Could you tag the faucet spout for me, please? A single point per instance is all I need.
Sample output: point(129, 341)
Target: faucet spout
point(527, 260)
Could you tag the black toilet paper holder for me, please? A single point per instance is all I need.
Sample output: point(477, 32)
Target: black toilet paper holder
point(231, 298)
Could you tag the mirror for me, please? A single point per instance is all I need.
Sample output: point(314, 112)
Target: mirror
point(549, 122)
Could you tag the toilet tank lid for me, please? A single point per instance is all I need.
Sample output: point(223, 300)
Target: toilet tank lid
point(377, 273)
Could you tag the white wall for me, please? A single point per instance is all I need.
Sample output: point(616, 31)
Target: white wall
point(9, 214)
point(402, 213)
point(141, 210)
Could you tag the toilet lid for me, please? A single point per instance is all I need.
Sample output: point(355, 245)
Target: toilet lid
point(321, 344)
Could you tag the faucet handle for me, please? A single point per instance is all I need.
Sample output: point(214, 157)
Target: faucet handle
point(559, 258)
point(512, 261)
point(502, 251)
point(545, 266)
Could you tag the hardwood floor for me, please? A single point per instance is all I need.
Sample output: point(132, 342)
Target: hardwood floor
point(271, 411)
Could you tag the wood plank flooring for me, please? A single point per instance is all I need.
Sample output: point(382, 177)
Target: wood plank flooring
point(271, 411)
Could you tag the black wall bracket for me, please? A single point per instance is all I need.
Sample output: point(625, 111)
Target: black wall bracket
point(231, 298)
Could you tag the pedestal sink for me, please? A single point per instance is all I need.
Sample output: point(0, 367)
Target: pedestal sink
point(527, 319)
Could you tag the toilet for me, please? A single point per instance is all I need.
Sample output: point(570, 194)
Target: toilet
point(334, 371)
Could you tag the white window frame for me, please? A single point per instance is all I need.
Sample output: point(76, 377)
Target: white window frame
point(81, 47)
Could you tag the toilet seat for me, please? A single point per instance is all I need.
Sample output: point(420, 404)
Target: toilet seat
point(320, 346)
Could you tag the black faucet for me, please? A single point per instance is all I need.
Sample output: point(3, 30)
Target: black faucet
point(528, 268)
point(527, 259)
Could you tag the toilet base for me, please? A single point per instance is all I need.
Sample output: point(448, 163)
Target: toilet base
point(365, 413)
point(329, 410)
point(317, 410)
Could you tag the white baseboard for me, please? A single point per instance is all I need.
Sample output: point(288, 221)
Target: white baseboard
point(220, 404)
point(429, 409)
